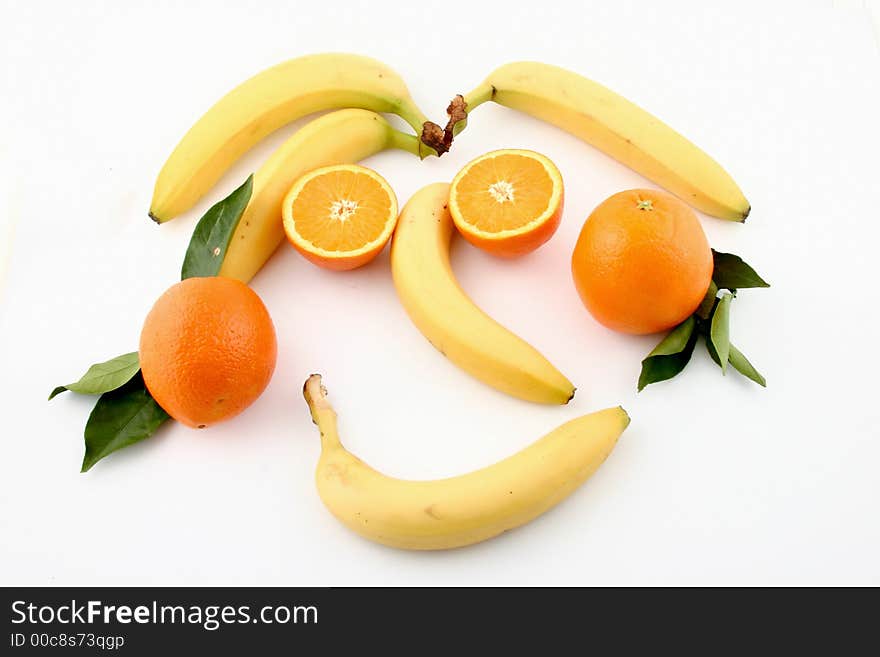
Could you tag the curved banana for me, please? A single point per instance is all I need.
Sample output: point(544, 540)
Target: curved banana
point(341, 137)
point(266, 102)
point(449, 513)
point(618, 127)
point(449, 319)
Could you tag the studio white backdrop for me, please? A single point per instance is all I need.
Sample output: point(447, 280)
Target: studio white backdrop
point(716, 481)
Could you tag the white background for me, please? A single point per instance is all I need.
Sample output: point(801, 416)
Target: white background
point(717, 481)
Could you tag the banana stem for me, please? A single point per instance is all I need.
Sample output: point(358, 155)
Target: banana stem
point(481, 94)
point(414, 117)
point(440, 139)
point(461, 125)
point(409, 143)
point(322, 412)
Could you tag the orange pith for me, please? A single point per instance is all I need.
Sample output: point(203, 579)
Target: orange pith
point(340, 217)
point(507, 202)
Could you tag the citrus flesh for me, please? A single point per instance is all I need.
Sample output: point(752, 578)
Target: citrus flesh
point(507, 202)
point(340, 217)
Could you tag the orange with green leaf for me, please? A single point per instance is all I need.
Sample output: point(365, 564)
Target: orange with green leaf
point(207, 349)
point(642, 265)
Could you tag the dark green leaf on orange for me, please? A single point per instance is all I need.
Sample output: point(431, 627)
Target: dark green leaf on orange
point(104, 377)
point(670, 356)
point(732, 273)
point(121, 418)
point(211, 237)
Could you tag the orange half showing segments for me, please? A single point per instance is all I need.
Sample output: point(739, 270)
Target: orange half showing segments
point(507, 202)
point(340, 217)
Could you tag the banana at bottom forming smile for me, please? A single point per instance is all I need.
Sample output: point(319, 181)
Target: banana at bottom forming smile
point(458, 511)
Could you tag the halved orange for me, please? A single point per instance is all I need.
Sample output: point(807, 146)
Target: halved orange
point(507, 202)
point(340, 217)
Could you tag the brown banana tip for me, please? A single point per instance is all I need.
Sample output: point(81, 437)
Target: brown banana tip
point(746, 215)
point(315, 393)
point(571, 396)
point(433, 136)
point(154, 217)
point(440, 139)
point(312, 386)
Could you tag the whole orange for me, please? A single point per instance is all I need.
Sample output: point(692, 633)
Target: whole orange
point(207, 350)
point(642, 263)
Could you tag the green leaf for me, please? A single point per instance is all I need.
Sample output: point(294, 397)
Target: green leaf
point(104, 377)
point(742, 365)
point(711, 351)
point(121, 418)
point(670, 356)
point(707, 305)
point(210, 239)
point(719, 332)
point(732, 273)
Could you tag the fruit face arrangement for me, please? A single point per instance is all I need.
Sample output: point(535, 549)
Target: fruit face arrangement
point(641, 265)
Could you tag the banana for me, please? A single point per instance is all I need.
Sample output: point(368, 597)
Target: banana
point(435, 302)
point(341, 137)
point(459, 511)
point(266, 102)
point(617, 127)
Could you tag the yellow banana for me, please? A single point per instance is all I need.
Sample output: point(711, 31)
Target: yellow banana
point(266, 102)
point(617, 127)
point(435, 302)
point(341, 137)
point(449, 513)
